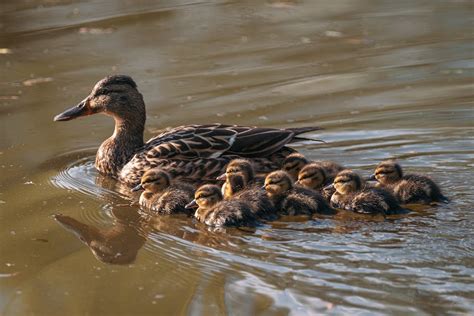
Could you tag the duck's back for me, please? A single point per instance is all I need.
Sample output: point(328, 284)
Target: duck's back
point(415, 188)
point(258, 201)
point(302, 201)
point(172, 201)
point(230, 213)
point(375, 201)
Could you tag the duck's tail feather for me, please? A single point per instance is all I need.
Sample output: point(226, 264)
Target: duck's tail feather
point(302, 130)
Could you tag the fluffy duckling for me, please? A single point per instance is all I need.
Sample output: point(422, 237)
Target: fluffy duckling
point(241, 183)
point(293, 163)
point(214, 211)
point(161, 195)
point(293, 200)
point(409, 188)
point(351, 195)
point(313, 176)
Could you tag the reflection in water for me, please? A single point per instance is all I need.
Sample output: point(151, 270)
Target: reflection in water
point(118, 244)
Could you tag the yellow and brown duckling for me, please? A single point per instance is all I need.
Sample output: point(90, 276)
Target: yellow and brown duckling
point(213, 210)
point(314, 176)
point(241, 183)
point(407, 188)
point(162, 194)
point(293, 200)
point(293, 163)
point(352, 195)
point(126, 157)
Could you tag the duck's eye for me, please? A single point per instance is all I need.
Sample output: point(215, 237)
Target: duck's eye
point(289, 167)
point(102, 92)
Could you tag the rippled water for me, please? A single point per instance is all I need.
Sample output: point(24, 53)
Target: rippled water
point(386, 79)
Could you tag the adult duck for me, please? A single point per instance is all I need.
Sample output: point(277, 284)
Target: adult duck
point(193, 151)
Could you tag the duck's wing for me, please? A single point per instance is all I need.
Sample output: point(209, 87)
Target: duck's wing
point(213, 140)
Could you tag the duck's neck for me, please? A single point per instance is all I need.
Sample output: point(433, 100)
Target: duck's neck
point(118, 149)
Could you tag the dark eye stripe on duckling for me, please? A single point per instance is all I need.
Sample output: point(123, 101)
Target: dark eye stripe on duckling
point(308, 175)
point(343, 180)
point(385, 171)
point(204, 195)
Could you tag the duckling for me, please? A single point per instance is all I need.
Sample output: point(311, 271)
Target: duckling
point(163, 196)
point(293, 163)
point(241, 183)
point(294, 200)
point(126, 157)
point(409, 188)
point(214, 211)
point(313, 176)
point(351, 195)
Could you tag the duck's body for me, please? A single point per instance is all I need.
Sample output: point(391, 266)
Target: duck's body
point(162, 196)
point(294, 200)
point(125, 156)
point(214, 211)
point(351, 195)
point(242, 184)
point(410, 188)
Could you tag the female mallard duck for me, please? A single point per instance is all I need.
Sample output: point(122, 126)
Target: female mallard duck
point(294, 200)
point(202, 147)
point(241, 183)
point(163, 196)
point(214, 211)
point(350, 195)
point(409, 188)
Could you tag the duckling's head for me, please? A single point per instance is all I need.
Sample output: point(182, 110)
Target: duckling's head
point(207, 196)
point(278, 182)
point(154, 181)
point(240, 168)
point(347, 181)
point(312, 176)
point(293, 163)
point(388, 172)
point(115, 95)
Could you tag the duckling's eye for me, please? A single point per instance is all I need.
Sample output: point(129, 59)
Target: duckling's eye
point(289, 167)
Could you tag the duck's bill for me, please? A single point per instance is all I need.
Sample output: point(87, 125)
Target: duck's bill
point(137, 188)
point(79, 110)
point(191, 204)
point(371, 178)
point(329, 187)
point(222, 177)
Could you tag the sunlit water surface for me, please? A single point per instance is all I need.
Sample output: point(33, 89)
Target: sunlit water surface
point(386, 79)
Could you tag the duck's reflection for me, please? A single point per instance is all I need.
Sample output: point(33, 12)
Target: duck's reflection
point(118, 244)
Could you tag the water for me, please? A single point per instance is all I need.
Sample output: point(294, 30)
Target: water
point(386, 79)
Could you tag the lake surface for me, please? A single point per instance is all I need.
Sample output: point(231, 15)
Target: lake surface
point(386, 79)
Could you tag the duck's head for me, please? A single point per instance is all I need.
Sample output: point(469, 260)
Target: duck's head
point(154, 181)
point(278, 182)
point(206, 197)
point(115, 95)
point(293, 164)
point(347, 181)
point(238, 168)
point(387, 172)
point(312, 176)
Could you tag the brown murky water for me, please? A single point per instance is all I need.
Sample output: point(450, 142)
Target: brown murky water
point(384, 78)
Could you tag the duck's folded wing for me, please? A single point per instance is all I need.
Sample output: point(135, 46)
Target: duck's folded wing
point(213, 140)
